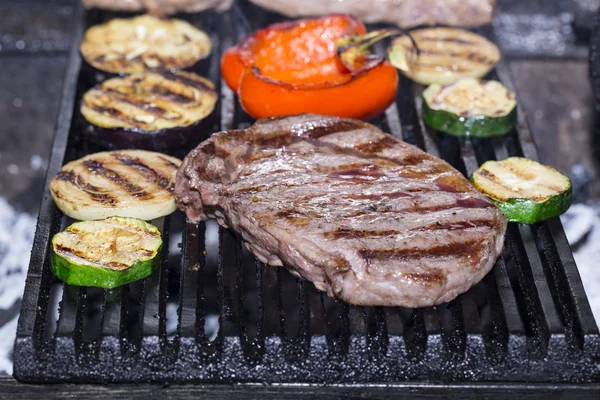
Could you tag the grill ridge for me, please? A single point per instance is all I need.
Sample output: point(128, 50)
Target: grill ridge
point(527, 321)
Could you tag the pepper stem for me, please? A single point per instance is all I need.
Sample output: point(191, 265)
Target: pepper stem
point(354, 50)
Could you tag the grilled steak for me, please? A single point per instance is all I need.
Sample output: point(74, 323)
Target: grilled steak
point(368, 218)
point(405, 13)
point(159, 7)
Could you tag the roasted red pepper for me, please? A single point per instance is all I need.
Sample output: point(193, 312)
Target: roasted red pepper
point(292, 68)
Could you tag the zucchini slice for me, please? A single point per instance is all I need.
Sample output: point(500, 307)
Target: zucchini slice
point(446, 55)
point(149, 102)
point(106, 253)
point(127, 183)
point(144, 43)
point(524, 190)
point(470, 107)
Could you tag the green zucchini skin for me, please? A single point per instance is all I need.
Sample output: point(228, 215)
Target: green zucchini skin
point(530, 212)
point(474, 126)
point(92, 276)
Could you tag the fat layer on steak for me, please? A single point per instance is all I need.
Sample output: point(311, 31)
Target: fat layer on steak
point(366, 217)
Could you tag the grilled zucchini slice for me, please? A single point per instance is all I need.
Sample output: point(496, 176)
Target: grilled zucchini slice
point(470, 107)
point(148, 110)
point(524, 190)
point(446, 55)
point(106, 253)
point(127, 183)
point(144, 43)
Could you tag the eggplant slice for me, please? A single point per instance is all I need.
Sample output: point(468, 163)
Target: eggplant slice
point(148, 110)
point(127, 183)
point(144, 43)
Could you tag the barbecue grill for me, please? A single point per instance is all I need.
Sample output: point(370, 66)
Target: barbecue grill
point(527, 323)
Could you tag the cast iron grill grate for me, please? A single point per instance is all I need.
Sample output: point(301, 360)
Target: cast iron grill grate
point(239, 321)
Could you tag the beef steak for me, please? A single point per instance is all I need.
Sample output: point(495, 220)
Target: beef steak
point(368, 218)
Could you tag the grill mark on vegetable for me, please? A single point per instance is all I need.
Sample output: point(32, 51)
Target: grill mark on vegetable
point(134, 190)
point(91, 190)
point(200, 85)
point(169, 162)
point(471, 56)
point(79, 254)
point(140, 104)
point(147, 172)
point(445, 39)
point(456, 249)
point(435, 67)
point(114, 113)
point(168, 95)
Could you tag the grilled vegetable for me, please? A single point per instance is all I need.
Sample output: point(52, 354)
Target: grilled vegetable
point(292, 68)
point(445, 55)
point(107, 253)
point(525, 190)
point(470, 107)
point(128, 183)
point(144, 43)
point(148, 110)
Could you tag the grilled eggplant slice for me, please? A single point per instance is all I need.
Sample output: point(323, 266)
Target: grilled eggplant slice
point(148, 110)
point(128, 183)
point(445, 55)
point(144, 43)
point(523, 189)
point(106, 253)
point(470, 107)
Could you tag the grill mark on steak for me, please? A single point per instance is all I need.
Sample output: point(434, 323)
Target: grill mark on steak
point(456, 249)
point(436, 277)
point(376, 146)
point(348, 233)
point(322, 130)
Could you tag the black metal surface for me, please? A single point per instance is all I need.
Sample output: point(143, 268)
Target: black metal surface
point(528, 321)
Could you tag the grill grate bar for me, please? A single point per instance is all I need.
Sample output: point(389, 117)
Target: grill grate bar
point(415, 333)
point(337, 325)
point(154, 311)
point(561, 293)
point(111, 312)
point(190, 316)
point(555, 240)
point(71, 311)
point(229, 283)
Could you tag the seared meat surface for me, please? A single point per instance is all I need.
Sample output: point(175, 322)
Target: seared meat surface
point(405, 13)
point(159, 7)
point(364, 216)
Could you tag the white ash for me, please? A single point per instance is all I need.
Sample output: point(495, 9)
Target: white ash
point(582, 226)
point(36, 162)
point(13, 169)
point(16, 238)
point(7, 338)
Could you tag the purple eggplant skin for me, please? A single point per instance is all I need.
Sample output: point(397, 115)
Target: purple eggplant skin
point(95, 76)
point(163, 139)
